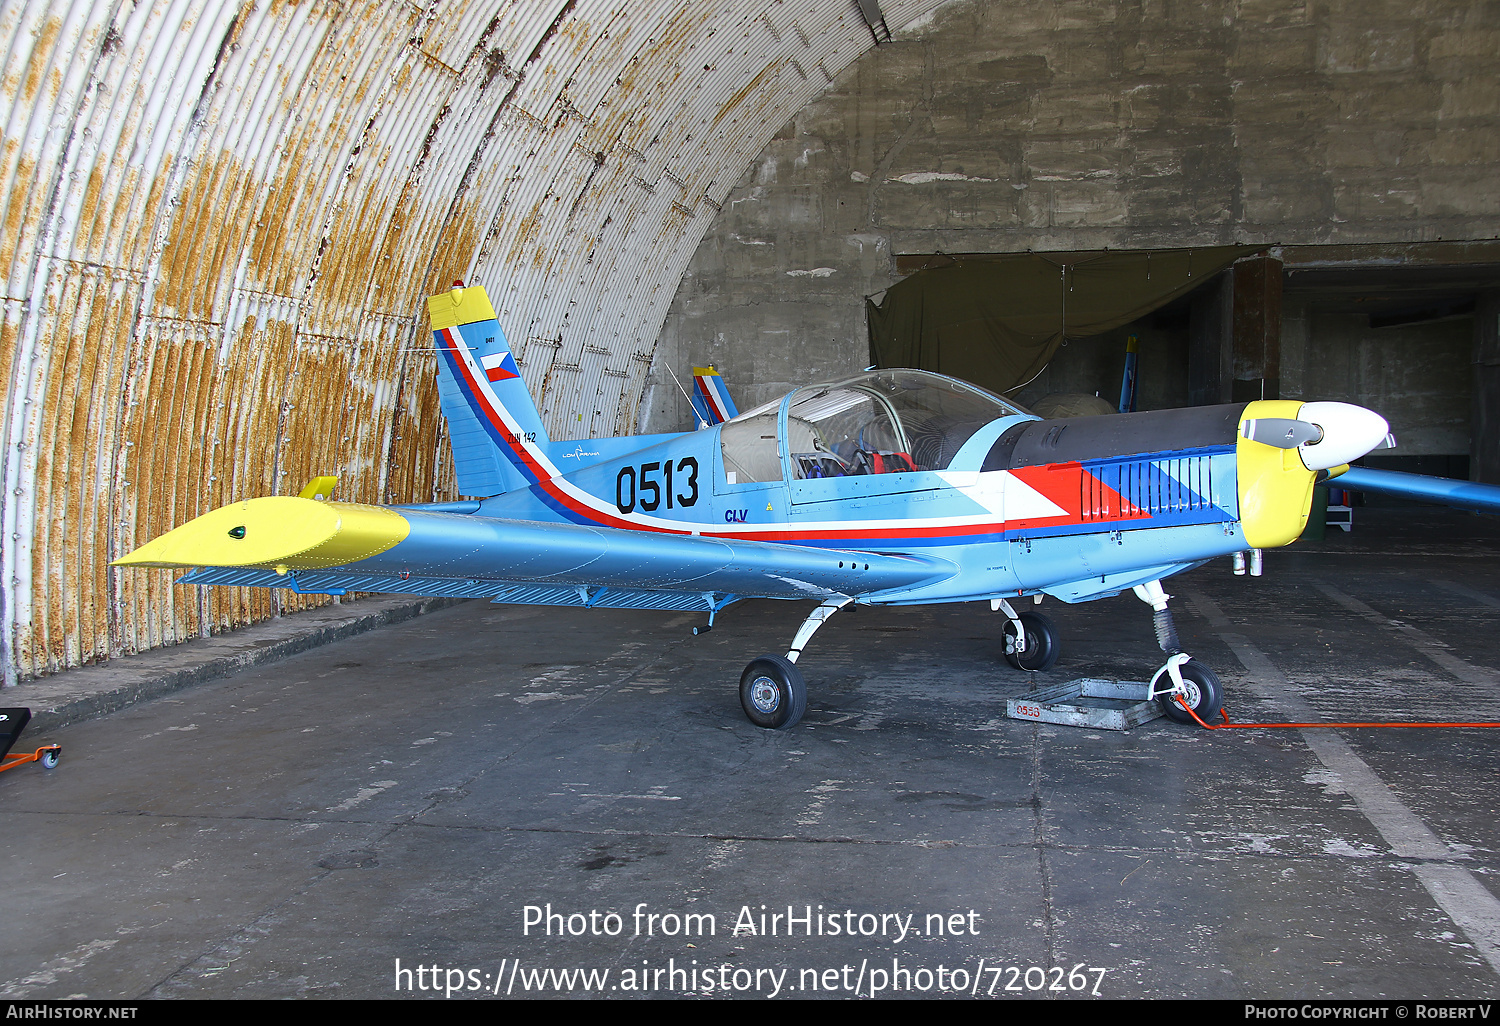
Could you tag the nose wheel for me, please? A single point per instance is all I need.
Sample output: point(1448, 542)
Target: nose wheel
point(1181, 677)
point(1201, 691)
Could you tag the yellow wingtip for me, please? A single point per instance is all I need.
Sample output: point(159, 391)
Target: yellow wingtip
point(275, 531)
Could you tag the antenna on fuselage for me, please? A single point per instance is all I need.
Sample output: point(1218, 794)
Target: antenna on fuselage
point(701, 422)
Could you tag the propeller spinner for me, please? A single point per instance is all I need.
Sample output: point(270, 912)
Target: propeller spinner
point(1325, 434)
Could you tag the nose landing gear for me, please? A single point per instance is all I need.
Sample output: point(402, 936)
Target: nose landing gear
point(1196, 684)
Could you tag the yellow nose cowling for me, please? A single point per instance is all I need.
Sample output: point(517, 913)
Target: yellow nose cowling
point(1275, 489)
point(283, 532)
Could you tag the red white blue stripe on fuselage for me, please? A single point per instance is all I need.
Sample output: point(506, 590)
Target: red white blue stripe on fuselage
point(1145, 491)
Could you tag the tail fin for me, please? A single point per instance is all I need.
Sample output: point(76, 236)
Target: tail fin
point(493, 423)
point(711, 400)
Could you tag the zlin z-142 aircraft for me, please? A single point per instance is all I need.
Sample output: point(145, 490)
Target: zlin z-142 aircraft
point(893, 487)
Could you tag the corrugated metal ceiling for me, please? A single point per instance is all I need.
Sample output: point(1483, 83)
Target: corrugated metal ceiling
point(218, 223)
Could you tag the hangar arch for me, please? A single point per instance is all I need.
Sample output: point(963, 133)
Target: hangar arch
point(220, 219)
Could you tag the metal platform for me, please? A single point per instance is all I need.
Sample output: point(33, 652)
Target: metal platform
point(1089, 702)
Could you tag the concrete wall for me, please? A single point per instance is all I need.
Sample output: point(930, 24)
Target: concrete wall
point(1078, 124)
point(1417, 376)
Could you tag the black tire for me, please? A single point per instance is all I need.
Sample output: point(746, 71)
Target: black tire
point(1041, 649)
point(1205, 695)
point(772, 692)
point(49, 759)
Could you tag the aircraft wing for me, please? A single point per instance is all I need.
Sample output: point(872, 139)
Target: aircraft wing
point(1443, 491)
point(332, 547)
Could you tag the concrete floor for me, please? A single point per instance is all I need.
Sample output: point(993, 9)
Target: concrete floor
point(407, 794)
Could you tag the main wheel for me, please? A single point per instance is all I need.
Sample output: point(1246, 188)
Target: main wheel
point(1205, 695)
point(773, 693)
point(1041, 648)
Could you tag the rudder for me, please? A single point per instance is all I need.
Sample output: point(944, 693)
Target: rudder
point(492, 419)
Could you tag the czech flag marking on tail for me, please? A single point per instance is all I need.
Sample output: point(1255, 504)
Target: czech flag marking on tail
point(496, 431)
point(500, 366)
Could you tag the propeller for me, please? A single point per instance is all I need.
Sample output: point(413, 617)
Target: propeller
point(1281, 432)
point(1326, 434)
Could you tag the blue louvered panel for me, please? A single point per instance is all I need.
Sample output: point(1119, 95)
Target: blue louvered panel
point(1180, 484)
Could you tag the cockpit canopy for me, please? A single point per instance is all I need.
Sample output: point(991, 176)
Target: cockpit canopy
point(881, 422)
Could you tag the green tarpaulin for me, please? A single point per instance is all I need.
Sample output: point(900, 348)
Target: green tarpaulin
point(996, 320)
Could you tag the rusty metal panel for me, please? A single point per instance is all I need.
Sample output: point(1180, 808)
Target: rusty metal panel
point(160, 455)
point(218, 222)
point(581, 406)
point(371, 182)
point(457, 33)
point(568, 39)
point(419, 464)
point(368, 401)
point(47, 53)
point(328, 113)
point(528, 30)
point(71, 475)
point(435, 225)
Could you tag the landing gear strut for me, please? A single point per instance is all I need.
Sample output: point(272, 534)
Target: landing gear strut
point(1181, 675)
point(772, 691)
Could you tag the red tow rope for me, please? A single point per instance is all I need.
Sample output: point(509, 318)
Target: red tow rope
point(1226, 725)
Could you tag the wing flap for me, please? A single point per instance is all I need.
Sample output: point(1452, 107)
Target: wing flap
point(316, 582)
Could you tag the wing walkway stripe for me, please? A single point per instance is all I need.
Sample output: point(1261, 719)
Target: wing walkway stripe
point(1456, 890)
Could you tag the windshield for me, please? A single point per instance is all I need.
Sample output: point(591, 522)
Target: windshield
point(887, 422)
point(880, 422)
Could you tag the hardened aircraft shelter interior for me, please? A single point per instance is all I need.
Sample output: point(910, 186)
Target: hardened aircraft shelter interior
point(219, 223)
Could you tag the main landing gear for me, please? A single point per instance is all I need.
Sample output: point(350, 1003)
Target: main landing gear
point(772, 691)
point(774, 694)
point(1031, 641)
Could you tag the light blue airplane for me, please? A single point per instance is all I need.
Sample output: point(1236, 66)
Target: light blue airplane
point(893, 487)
